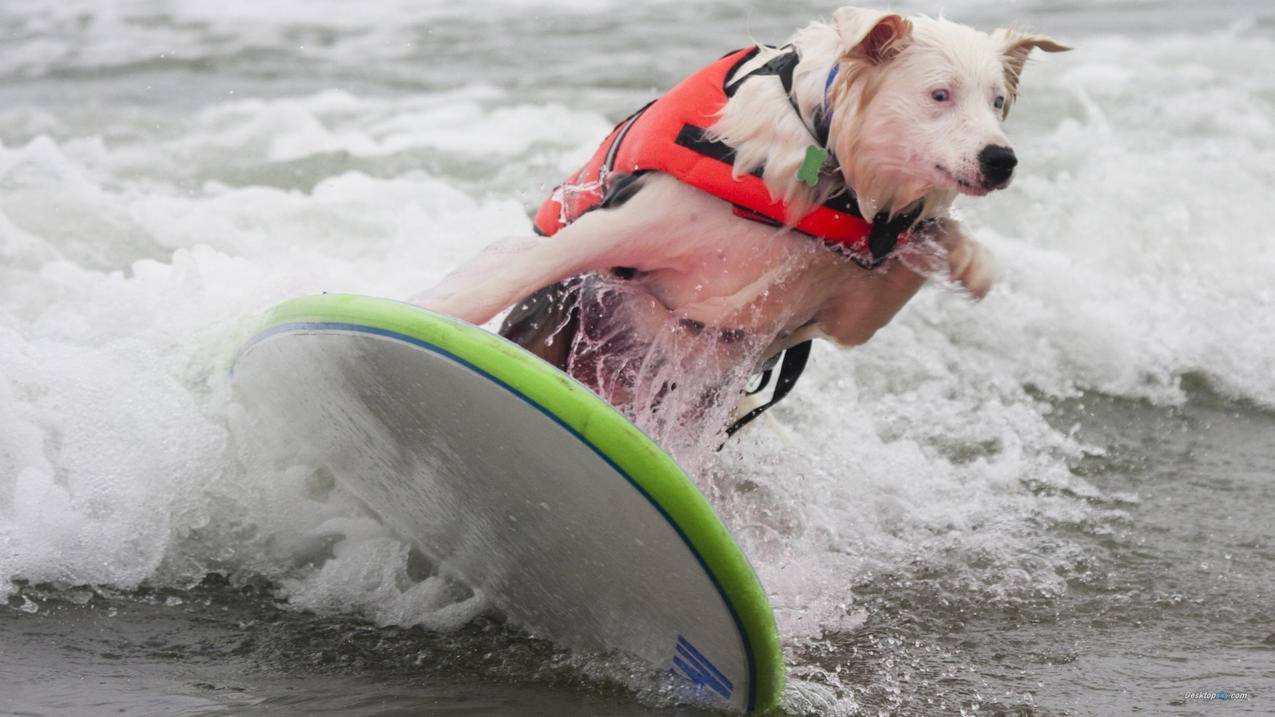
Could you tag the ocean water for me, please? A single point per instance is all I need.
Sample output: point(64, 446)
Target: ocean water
point(1055, 501)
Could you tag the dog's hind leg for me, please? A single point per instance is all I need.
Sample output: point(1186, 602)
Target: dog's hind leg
point(546, 322)
point(635, 235)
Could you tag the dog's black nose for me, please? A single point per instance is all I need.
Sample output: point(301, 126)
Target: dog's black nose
point(998, 164)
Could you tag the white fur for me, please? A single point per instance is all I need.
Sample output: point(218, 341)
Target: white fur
point(899, 145)
point(896, 145)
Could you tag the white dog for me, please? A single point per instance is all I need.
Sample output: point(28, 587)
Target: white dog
point(655, 288)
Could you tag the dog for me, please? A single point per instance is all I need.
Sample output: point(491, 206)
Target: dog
point(664, 295)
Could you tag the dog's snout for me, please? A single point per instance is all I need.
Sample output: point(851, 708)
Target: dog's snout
point(998, 164)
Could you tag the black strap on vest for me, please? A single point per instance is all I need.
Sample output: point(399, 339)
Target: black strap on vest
point(794, 362)
point(885, 229)
point(782, 66)
point(885, 234)
point(881, 241)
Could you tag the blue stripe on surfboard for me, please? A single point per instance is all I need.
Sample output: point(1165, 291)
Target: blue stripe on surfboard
point(701, 674)
point(692, 652)
point(336, 327)
point(701, 678)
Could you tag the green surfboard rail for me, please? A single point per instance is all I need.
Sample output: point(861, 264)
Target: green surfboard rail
point(612, 435)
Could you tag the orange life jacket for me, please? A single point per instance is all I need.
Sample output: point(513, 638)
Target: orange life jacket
point(669, 136)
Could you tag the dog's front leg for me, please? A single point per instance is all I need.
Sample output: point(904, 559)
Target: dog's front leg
point(968, 262)
point(866, 302)
point(869, 300)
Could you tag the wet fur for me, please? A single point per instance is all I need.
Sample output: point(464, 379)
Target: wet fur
point(694, 260)
point(876, 145)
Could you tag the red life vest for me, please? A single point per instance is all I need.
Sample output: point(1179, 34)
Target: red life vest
point(669, 136)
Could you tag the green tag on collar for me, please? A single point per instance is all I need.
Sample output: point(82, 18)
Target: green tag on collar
point(810, 166)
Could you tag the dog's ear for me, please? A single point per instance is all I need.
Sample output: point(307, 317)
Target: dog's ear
point(1015, 47)
point(871, 35)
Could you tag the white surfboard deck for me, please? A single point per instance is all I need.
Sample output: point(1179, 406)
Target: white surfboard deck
point(519, 481)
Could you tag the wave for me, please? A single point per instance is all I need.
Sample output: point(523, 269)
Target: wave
point(137, 246)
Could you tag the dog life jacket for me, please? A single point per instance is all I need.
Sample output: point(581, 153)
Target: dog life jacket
point(669, 135)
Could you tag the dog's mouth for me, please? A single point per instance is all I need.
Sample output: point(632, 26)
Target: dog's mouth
point(962, 186)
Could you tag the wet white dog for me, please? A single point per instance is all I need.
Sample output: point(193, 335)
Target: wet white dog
point(677, 283)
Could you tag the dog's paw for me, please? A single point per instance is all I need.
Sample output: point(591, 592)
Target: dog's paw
point(971, 265)
point(944, 248)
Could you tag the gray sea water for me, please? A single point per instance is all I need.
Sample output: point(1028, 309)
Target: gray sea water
point(1054, 502)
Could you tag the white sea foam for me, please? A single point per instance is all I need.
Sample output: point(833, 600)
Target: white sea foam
point(97, 34)
point(138, 247)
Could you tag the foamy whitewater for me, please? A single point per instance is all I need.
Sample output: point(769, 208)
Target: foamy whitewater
point(1055, 500)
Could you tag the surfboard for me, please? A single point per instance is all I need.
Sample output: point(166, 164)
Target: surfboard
point(519, 481)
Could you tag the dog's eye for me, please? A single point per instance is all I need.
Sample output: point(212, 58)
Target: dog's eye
point(999, 103)
point(939, 95)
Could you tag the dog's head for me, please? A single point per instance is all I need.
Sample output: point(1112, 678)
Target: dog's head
point(921, 102)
